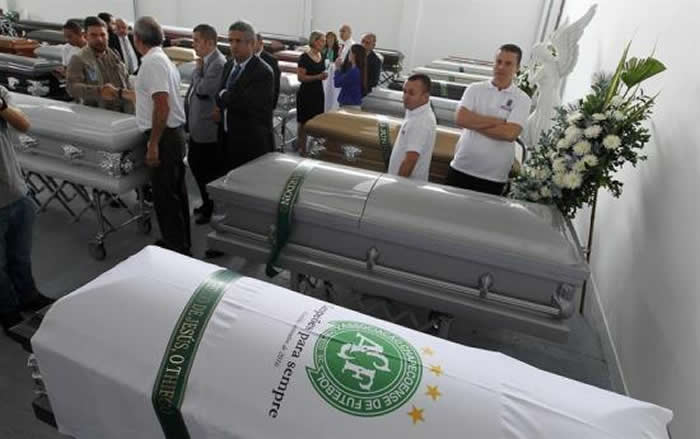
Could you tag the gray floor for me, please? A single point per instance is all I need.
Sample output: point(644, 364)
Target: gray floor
point(62, 263)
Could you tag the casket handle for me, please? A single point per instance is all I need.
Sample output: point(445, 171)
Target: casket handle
point(485, 284)
point(372, 256)
point(564, 300)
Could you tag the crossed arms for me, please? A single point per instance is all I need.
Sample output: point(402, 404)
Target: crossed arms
point(488, 126)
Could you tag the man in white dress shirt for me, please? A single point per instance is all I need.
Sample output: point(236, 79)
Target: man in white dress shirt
point(161, 116)
point(493, 114)
point(75, 40)
point(126, 46)
point(413, 148)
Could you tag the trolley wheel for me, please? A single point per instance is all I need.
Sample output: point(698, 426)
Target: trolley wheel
point(145, 225)
point(97, 250)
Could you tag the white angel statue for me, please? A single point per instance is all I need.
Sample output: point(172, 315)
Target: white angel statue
point(551, 62)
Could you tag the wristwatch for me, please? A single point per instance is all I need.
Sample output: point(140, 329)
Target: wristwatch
point(3, 105)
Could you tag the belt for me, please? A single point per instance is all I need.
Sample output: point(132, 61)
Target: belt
point(148, 132)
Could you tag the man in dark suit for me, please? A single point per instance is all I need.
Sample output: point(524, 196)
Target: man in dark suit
point(113, 40)
point(272, 62)
point(246, 99)
point(374, 61)
point(125, 46)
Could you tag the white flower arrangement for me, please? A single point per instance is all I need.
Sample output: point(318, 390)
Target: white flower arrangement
point(591, 140)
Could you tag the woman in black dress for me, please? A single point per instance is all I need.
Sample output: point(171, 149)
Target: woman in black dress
point(311, 71)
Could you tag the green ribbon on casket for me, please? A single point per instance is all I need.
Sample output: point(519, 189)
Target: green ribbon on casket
point(174, 372)
point(285, 212)
point(385, 141)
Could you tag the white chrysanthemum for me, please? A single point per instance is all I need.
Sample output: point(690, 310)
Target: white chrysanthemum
point(574, 117)
point(559, 166)
point(611, 142)
point(533, 196)
point(599, 117)
point(616, 101)
point(543, 174)
point(563, 143)
point(618, 115)
point(573, 134)
point(546, 192)
point(582, 148)
point(590, 160)
point(572, 180)
point(580, 166)
point(593, 131)
point(558, 179)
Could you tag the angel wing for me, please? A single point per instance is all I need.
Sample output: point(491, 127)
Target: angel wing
point(565, 41)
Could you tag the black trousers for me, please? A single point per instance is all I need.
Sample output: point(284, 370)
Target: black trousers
point(466, 181)
point(205, 161)
point(169, 192)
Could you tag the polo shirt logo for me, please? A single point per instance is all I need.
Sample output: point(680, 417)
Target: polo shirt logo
point(508, 105)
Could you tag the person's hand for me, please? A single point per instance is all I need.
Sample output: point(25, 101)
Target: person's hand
point(324, 76)
point(129, 95)
point(338, 63)
point(152, 160)
point(216, 115)
point(109, 92)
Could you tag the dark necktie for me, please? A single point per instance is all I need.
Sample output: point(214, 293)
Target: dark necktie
point(234, 76)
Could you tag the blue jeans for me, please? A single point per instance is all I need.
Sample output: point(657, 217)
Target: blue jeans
point(16, 280)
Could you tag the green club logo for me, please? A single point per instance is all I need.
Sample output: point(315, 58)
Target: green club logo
point(364, 370)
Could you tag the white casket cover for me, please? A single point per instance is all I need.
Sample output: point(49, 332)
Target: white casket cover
point(272, 363)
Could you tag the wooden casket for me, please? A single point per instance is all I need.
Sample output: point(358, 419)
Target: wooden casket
point(18, 46)
point(354, 138)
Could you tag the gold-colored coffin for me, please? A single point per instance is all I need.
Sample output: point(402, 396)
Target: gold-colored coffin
point(344, 130)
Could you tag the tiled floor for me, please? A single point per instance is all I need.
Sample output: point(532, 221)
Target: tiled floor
point(62, 263)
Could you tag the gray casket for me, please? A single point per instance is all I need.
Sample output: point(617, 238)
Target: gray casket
point(461, 67)
point(443, 75)
point(289, 83)
point(47, 36)
point(33, 76)
point(30, 25)
point(440, 89)
point(390, 103)
point(85, 145)
point(457, 252)
point(51, 53)
point(186, 69)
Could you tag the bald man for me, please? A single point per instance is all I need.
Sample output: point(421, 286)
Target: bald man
point(125, 48)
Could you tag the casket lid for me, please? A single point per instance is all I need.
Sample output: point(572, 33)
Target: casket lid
point(80, 125)
point(53, 53)
point(452, 76)
point(331, 195)
point(463, 67)
point(472, 226)
point(26, 66)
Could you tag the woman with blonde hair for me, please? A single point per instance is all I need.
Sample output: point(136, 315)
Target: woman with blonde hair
point(311, 71)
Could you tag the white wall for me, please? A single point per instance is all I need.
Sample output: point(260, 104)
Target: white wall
point(473, 28)
point(61, 10)
point(645, 261)
point(423, 30)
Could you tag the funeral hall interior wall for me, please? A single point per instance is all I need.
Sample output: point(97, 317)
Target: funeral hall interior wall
point(423, 30)
point(645, 252)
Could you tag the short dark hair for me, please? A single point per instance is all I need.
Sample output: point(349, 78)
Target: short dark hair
point(424, 79)
point(513, 48)
point(245, 27)
point(73, 26)
point(94, 21)
point(105, 16)
point(207, 32)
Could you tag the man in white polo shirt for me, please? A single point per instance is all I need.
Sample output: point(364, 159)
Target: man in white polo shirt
point(413, 148)
point(493, 114)
point(161, 116)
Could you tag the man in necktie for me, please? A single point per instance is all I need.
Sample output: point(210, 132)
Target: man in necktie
point(126, 47)
point(245, 100)
point(204, 153)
